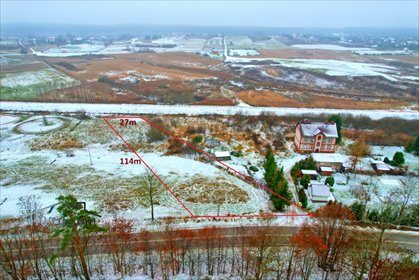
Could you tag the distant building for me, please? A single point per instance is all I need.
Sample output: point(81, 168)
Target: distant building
point(222, 155)
point(51, 39)
point(315, 137)
point(334, 161)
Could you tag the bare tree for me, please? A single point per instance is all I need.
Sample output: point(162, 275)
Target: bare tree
point(369, 188)
point(119, 239)
point(29, 206)
point(407, 193)
point(149, 187)
point(328, 236)
point(263, 241)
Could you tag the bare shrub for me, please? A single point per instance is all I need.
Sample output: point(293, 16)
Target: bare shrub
point(155, 135)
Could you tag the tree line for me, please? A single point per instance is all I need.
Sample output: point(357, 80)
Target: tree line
point(326, 247)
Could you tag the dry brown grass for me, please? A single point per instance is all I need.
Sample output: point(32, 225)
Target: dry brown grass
point(92, 69)
point(216, 102)
point(215, 191)
point(378, 137)
point(15, 68)
point(58, 141)
point(172, 58)
point(410, 59)
point(94, 92)
point(269, 98)
point(310, 54)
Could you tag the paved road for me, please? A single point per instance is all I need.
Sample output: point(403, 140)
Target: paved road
point(110, 109)
point(227, 236)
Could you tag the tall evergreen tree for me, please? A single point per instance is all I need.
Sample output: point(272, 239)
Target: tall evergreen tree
point(337, 119)
point(302, 197)
point(282, 189)
point(77, 223)
point(276, 181)
point(270, 168)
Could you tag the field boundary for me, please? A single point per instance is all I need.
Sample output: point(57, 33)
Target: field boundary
point(229, 168)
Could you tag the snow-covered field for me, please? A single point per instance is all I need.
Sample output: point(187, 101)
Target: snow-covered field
point(109, 109)
point(5, 119)
point(71, 50)
point(182, 44)
point(30, 78)
point(329, 47)
point(330, 67)
point(40, 125)
point(342, 68)
point(380, 188)
point(375, 52)
point(95, 174)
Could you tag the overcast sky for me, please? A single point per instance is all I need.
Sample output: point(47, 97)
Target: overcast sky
point(223, 13)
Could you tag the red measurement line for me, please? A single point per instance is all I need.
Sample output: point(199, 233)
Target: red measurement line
point(222, 163)
point(213, 158)
point(148, 167)
point(251, 216)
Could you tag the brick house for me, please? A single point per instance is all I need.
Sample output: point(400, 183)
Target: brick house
point(315, 137)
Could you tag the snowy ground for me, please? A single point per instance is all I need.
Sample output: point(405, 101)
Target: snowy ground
point(380, 187)
point(329, 47)
point(5, 119)
point(330, 67)
point(95, 174)
point(71, 50)
point(385, 151)
point(109, 109)
point(35, 77)
point(182, 45)
point(40, 125)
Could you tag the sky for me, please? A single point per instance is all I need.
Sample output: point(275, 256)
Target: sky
point(332, 13)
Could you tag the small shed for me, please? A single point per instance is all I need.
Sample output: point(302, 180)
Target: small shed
point(312, 173)
point(222, 155)
point(319, 193)
point(335, 161)
point(380, 167)
point(326, 171)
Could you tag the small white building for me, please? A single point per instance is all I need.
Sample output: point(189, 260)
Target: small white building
point(222, 155)
point(381, 167)
point(320, 193)
point(311, 173)
point(326, 170)
point(334, 161)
